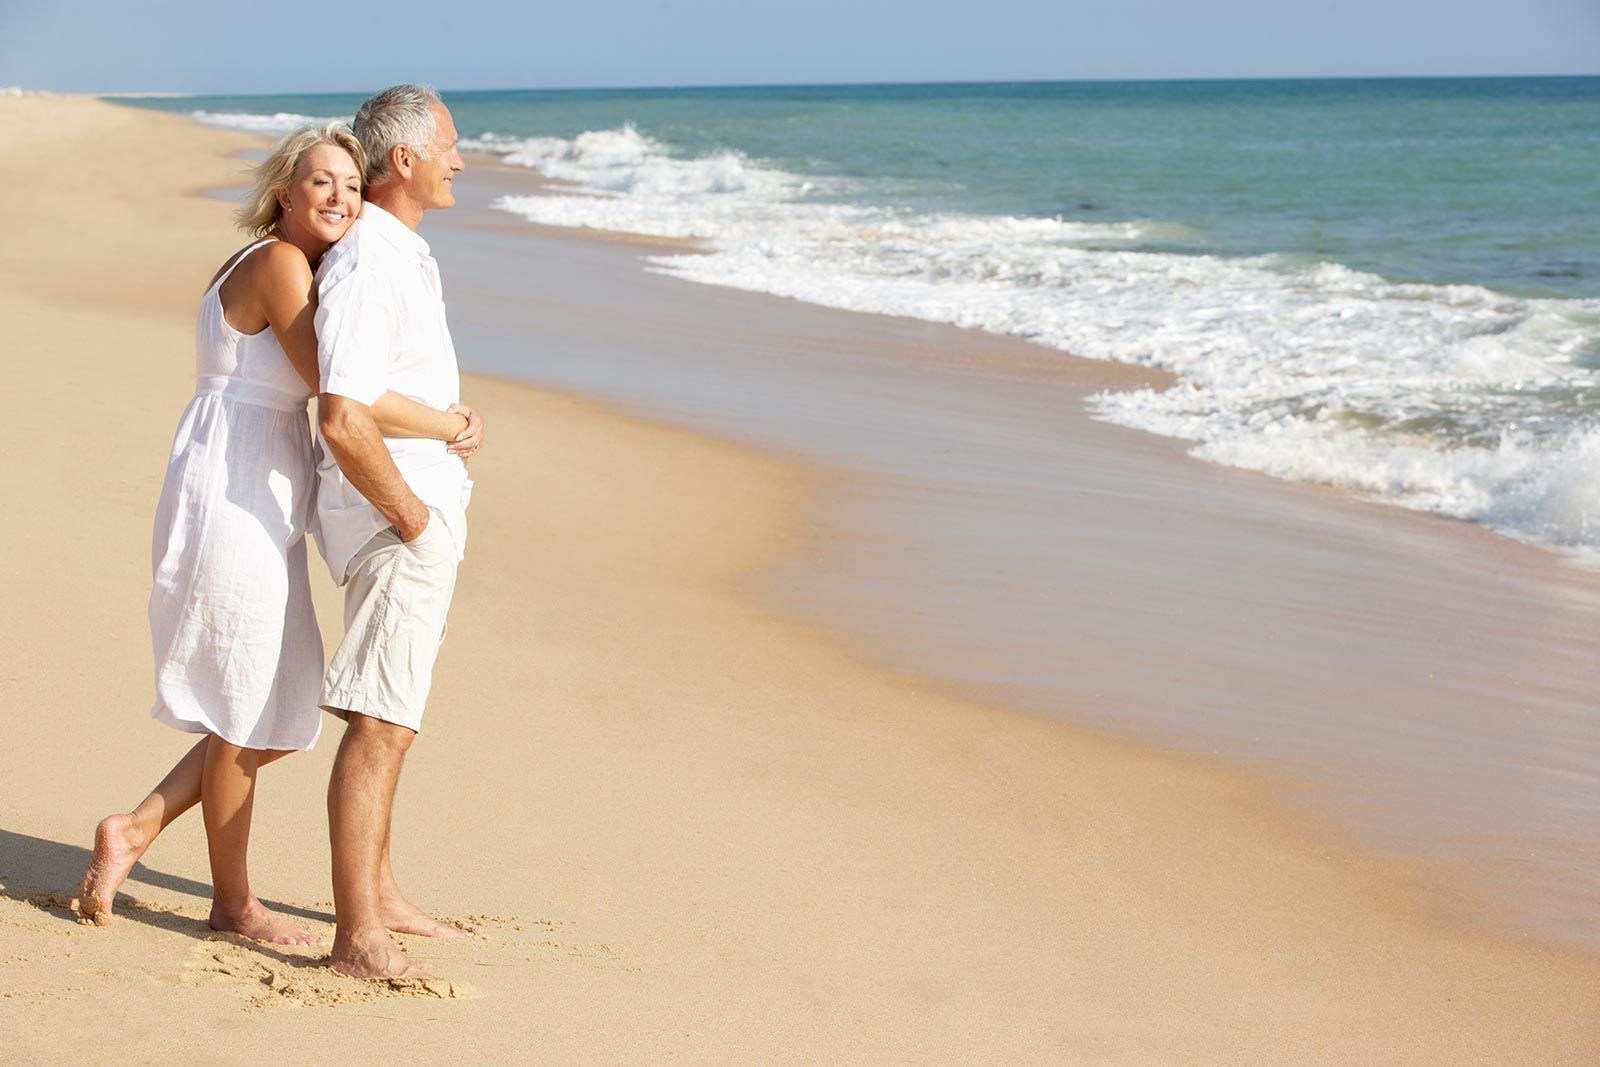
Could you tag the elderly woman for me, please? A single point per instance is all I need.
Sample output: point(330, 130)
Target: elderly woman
point(238, 655)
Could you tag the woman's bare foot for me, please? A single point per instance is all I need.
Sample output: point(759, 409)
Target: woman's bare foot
point(404, 917)
point(118, 844)
point(372, 954)
point(258, 924)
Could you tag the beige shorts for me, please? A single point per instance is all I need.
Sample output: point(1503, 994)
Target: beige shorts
point(396, 597)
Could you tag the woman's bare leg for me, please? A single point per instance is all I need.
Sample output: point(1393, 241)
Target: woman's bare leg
point(227, 801)
point(120, 840)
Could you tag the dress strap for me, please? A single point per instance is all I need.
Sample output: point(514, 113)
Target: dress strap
point(238, 259)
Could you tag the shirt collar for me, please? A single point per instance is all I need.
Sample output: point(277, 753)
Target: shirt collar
point(396, 232)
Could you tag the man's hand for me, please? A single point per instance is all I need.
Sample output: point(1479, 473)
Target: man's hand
point(411, 524)
point(470, 439)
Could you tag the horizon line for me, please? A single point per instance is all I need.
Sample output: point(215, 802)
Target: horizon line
point(859, 84)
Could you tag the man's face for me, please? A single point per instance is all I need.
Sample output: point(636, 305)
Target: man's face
point(431, 177)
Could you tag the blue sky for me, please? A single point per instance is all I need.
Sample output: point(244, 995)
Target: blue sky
point(101, 46)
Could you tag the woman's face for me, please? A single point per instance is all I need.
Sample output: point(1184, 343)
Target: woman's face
point(324, 196)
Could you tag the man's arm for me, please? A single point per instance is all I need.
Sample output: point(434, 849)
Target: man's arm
point(357, 446)
point(288, 298)
point(355, 337)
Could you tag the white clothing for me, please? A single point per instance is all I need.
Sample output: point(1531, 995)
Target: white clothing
point(381, 326)
point(237, 649)
point(395, 607)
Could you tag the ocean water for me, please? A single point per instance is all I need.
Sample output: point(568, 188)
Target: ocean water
point(1391, 286)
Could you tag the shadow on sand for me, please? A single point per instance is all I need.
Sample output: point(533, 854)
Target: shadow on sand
point(45, 874)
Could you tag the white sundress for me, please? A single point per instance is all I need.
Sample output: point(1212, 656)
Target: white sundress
point(236, 644)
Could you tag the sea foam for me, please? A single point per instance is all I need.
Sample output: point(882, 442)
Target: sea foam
point(279, 123)
point(1450, 398)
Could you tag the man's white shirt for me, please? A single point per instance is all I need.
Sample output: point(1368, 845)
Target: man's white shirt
point(381, 326)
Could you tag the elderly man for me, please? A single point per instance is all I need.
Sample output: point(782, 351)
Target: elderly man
point(392, 512)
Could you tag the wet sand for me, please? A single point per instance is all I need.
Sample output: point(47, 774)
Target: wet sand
point(685, 824)
point(1415, 684)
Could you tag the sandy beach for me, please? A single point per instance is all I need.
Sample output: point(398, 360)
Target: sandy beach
point(682, 823)
point(1420, 686)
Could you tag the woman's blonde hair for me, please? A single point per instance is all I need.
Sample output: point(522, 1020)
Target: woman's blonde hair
point(260, 212)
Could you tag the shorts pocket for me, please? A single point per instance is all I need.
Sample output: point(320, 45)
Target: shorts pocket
point(431, 546)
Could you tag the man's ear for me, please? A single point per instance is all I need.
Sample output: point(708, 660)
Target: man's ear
point(400, 160)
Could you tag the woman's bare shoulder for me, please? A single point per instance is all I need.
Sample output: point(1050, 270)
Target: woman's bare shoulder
point(280, 261)
point(276, 262)
point(227, 263)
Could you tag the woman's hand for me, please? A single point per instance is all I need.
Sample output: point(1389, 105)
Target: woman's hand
point(469, 440)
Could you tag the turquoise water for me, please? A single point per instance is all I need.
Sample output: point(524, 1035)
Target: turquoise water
point(1490, 181)
point(1391, 286)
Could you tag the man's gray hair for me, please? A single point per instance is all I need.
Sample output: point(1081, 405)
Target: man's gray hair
point(399, 115)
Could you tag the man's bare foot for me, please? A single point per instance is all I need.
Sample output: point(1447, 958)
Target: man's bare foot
point(404, 917)
point(258, 924)
point(118, 844)
point(372, 954)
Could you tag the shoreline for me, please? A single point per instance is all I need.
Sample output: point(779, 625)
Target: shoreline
point(1432, 747)
point(711, 804)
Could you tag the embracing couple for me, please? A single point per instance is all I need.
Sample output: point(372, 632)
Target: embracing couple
point(336, 298)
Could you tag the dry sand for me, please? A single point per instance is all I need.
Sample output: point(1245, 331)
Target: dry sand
point(683, 827)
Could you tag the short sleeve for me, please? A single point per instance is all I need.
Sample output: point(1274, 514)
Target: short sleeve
point(355, 334)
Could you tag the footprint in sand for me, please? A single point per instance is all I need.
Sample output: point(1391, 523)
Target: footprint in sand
point(50, 903)
point(268, 976)
point(510, 932)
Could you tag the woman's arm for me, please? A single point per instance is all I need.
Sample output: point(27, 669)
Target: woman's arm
point(400, 416)
point(289, 300)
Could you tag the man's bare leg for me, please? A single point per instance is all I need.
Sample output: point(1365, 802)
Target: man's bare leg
point(402, 916)
point(227, 801)
point(360, 799)
point(120, 840)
